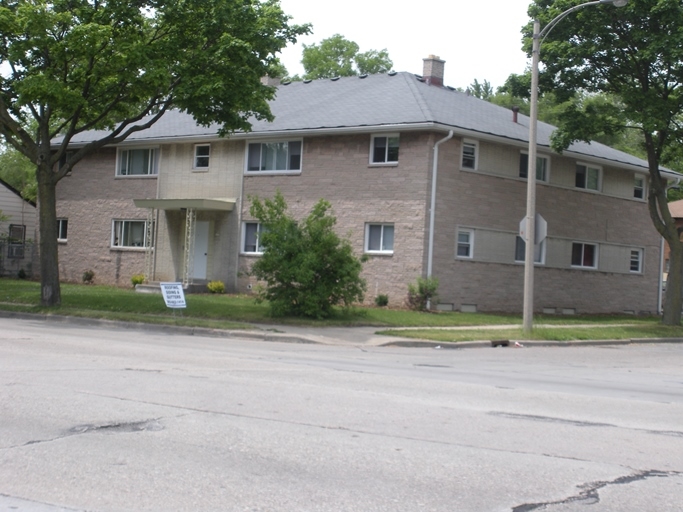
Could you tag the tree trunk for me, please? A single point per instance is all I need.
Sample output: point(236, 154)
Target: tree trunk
point(673, 299)
point(50, 294)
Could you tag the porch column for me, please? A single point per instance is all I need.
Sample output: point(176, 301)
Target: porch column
point(188, 259)
point(149, 245)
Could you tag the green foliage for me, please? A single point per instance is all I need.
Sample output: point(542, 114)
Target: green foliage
point(481, 90)
point(70, 66)
point(137, 279)
point(634, 54)
point(337, 56)
point(422, 293)
point(88, 277)
point(22, 274)
point(19, 172)
point(216, 287)
point(382, 300)
point(307, 268)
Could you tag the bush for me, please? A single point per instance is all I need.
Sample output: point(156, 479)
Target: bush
point(382, 300)
point(306, 267)
point(88, 277)
point(216, 287)
point(137, 279)
point(422, 293)
point(21, 274)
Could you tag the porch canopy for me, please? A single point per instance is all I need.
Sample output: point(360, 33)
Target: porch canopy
point(225, 205)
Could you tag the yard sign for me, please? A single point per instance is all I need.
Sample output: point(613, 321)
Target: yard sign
point(173, 295)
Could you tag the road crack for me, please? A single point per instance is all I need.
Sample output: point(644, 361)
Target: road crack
point(589, 494)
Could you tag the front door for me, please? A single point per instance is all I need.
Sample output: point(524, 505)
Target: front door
point(201, 249)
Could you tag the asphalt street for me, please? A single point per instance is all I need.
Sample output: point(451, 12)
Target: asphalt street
point(111, 419)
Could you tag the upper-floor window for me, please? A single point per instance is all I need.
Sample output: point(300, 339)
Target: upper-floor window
point(251, 234)
point(584, 255)
point(636, 263)
point(66, 156)
point(129, 233)
point(137, 162)
point(465, 243)
point(542, 165)
point(470, 150)
point(587, 177)
point(379, 238)
point(384, 149)
point(274, 156)
point(201, 156)
point(520, 251)
point(639, 187)
point(62, 227)
point(16, 241)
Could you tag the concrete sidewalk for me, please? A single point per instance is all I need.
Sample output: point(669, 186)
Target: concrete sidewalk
point(349, 336)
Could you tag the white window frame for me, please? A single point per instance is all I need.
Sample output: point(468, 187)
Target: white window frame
point(588, 166)
point(261, 144)
point(639, 260)
point(201, 162)
point(388, 137)
point(539, 251)
point(152, 163)
point(469, 244)
point(596, 255)
point(639, 184)
point(62, 227)
point(471, 144)
point(117, 234)
point(382, 239)
point(544, 158)
point(243, 243)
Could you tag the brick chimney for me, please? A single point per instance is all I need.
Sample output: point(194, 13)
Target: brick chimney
point(432, 71)
point(269, 81)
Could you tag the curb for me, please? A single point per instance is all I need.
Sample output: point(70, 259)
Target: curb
point(261, 335)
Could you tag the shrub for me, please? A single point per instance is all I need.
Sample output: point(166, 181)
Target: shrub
point(216, 287)
point(137, 279)
point(306, 267)
point(422, 293)
point(382, 300)
point(88, 277)
point(21, 274)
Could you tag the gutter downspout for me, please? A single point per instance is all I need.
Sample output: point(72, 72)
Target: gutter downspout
point(432, 207)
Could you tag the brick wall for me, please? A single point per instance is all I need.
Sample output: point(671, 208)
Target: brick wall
point(90, 199)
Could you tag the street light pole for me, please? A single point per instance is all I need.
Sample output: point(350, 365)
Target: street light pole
point(538, 37)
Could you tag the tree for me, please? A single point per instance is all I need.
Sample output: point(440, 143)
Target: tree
point(635, 53)
point(69, 66)
point(306, 266)
point(481, 90)
point(337, 56)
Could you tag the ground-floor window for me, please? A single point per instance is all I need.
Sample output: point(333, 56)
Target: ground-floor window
point(251, 234)
point(129, 233)
point(636, 265)
point(465, 243)
point(16, 242)
point(379, 238)
point(520, 251)
point(62, 228)
point(584, 255)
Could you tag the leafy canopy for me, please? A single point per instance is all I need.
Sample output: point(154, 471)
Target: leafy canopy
point(337, 56)
point(307, 268)
point(634, 54)
point(71, 66)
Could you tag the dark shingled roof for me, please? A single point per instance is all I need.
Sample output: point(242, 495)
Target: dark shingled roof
point(396, 101)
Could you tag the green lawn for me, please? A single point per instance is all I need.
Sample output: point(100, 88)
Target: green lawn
point(241, 312)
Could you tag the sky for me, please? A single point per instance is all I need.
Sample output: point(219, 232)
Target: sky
point(477, 39)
